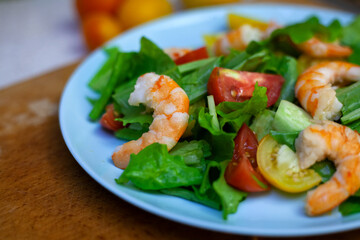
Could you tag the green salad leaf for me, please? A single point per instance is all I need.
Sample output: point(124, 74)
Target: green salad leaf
point(193, 152)
point(237, 113)
point(128, 66)
point(301, 32)
point(350, 206)
point(249, 60)
point(117, 75)
point(230, 197)
point(350, 98)
point(287, 67)
point(287, 138)
point(325, 169)
point(222, 142)
point(132, 132)
point(262, 123)
point(195, 83)
point(193, 195)
point(102, 76)
point(351, 34)
point(153, 168)
point(156, 60)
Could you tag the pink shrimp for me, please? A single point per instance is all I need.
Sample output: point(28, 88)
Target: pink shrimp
point(314, 89)
point(339, 144)
point(316, 48)
point(175, 53)
point(237, 39)
point(240, 38)
point(171, 107)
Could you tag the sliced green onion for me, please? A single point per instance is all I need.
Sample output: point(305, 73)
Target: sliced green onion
point(212, 111)
point(187, 67)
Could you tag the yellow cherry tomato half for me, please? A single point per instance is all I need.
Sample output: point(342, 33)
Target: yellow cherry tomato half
point(235, 21)
point(280, 167)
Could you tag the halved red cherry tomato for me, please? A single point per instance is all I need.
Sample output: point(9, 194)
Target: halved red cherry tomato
point(108, 119)
point(242, 172)
point(238, 86)
point(197, 54)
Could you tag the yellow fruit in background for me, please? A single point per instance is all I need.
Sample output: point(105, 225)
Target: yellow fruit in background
point(135, 12)
point(99, 28)
point(202, 3)
point(235, 21)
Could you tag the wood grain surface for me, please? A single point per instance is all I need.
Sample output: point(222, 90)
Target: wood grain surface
point(45, 194)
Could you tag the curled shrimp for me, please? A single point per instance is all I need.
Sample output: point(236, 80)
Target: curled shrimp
point(171, 106)
point(314, 89)
point(316, 48)
point(339, 144)
point(240, 38)
point(237, 39)
point(175, 53)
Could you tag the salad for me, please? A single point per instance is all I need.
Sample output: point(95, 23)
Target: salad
point(244, 122)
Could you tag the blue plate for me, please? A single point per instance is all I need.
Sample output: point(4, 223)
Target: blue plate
point(270, 214)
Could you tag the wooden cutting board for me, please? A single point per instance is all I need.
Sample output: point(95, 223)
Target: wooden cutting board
point(45, 194)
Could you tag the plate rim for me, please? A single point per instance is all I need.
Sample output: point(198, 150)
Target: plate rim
point(198, 223)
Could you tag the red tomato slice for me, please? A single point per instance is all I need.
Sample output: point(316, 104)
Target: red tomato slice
point(108, 119)
point(238, 86)
point(197, 54)
point(242, 172)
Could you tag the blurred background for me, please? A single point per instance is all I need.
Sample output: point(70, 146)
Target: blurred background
point(37, 36)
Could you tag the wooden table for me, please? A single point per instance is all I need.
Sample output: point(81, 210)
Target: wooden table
point(45, 194)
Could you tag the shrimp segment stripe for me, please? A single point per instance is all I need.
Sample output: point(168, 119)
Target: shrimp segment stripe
point(171, 107)
point(326, 140)
point(314, 88)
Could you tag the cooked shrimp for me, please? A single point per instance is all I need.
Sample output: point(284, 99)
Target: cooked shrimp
point(314, 92)
point(237, 39)
point(339, 144)
point(272, 26)
point(171, 107)
point(316, 48)
point(175, 53)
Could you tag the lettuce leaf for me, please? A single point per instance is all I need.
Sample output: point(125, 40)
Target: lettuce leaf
point(193, 152)
point(249, 60)
point(287, 67)
point(230, 197)
point(193, 195)
point(153, 168)
point(301, 32)
point(156, 60)
point(237, 113)
point(150, 58)
point(351, 34)
point(325, 169)
point(195, 83)
point(222, 142)
point(350, 206)
point(262, 123)
point(287, 138)
point(101, 78)
point(118, 73)
point(132, 132)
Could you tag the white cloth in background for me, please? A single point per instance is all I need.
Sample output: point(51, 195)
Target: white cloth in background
point(37, 36)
